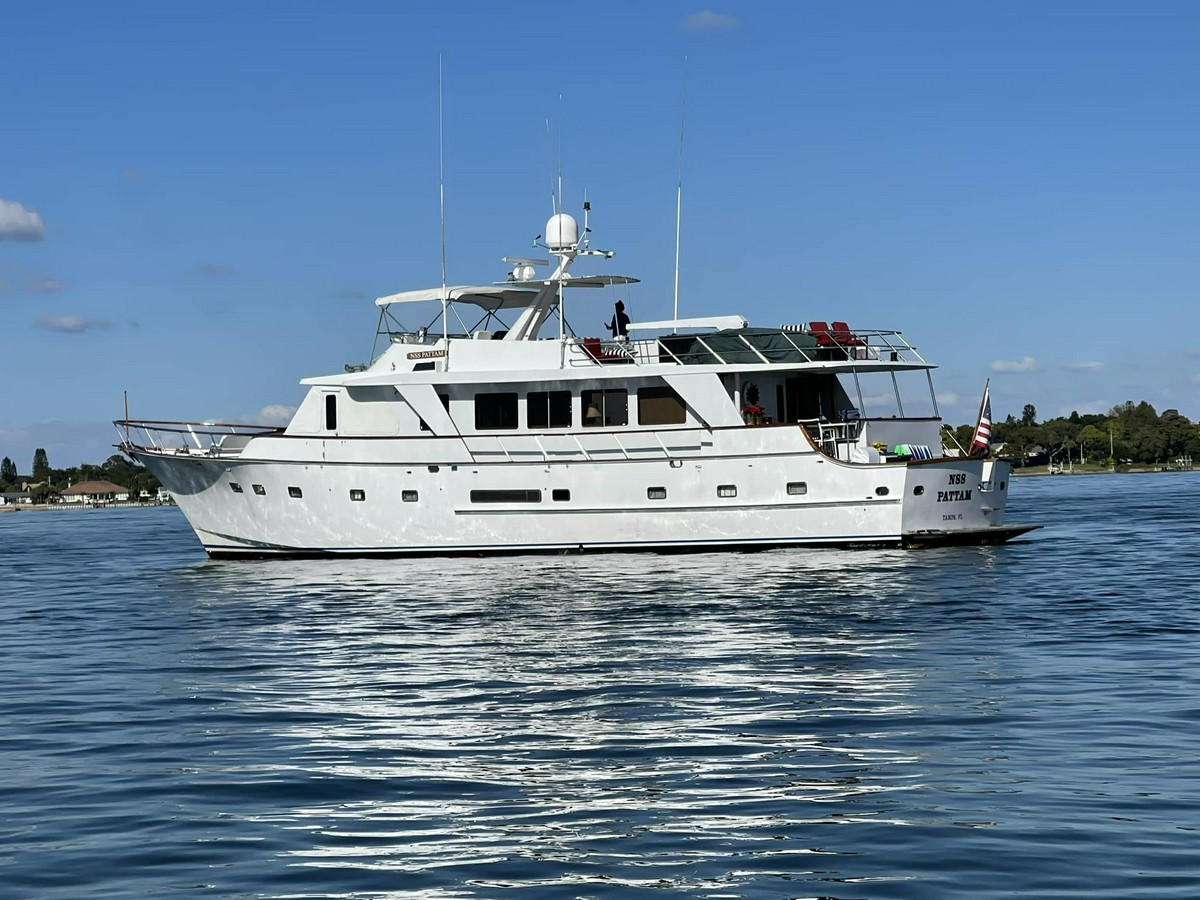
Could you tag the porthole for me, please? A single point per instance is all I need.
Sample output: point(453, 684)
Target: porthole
point(726, 490)
point(881, 492)
point(434, 469)
point(797, 487)
point(295, 492)
point(408, 496)
point(235, 487)
point(357, 494)
point(656, 493)
point(918, 490)
point(259, 489)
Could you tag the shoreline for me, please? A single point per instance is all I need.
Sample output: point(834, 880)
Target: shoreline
point(51, 507)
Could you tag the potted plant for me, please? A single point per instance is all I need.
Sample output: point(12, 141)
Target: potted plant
point(752, 413)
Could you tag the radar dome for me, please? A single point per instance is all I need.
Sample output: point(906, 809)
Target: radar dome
point(562, 232)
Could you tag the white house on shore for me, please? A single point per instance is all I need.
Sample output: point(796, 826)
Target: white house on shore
point(15, 498)
point(95, 492)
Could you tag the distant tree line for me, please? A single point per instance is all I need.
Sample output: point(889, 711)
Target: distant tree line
point(46, 482)
point(1127, 433)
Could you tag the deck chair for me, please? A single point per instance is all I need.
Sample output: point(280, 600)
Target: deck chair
point(820, 331)
point(843, 336)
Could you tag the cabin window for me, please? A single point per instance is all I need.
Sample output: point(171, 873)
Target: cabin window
point(423, 367)
point(548, 409)
point(495, 411)
point(295, 492)
point(358, 494)
point(656, 493)
point(881, 492)
point(797, 487)
point(506, 496)
point(445, 398)
point(235, 487)
point(331, 412)
point(560, 494)
point(408, 496)
point(259, 489)
point(605, 408)
point(660, 406)
point(726, 490)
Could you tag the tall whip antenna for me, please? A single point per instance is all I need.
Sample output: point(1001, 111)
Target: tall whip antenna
point(679, 192)
point(560, 131)
point(442, 199)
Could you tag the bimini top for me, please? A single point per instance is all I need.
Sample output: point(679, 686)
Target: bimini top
point(506, 295)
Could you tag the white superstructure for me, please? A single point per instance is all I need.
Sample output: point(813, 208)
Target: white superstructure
point(514, 435)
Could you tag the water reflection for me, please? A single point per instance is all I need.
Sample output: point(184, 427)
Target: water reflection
point(462, 712)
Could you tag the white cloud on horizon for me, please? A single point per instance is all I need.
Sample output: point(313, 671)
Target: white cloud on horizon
point(1088, 366)
point(71, 324)
point(20, 224)
point(1024, 364)
point(271, 414)
point(948, 399)
point(708, 20)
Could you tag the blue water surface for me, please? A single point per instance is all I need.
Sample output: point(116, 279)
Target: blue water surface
point(986, 722)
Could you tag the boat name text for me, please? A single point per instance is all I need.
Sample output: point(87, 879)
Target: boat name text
point(952, 496)
point(427, 354)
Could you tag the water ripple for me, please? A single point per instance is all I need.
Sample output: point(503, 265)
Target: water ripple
point(1016, 720)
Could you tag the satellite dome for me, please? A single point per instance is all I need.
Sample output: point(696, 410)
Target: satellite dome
point(562, 232)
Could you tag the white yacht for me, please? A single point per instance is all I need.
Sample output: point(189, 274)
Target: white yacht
point(516, 435)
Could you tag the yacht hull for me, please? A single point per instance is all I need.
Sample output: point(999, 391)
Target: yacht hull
point(737, 502)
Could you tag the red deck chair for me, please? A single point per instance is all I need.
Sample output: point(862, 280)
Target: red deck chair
point(845, 337)
point(820, 330)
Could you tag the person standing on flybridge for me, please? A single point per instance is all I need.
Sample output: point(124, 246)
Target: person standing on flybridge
point(619, 326)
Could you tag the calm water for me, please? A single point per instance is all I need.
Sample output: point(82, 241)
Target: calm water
point(977, 722)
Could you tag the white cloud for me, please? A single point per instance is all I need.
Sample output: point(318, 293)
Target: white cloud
point(1024, 364)
point(275, 414)
point(72, 324)
point(709, 21)
point(948, 399)
point(1089, 366)
point(40, 283)
point(20, 224)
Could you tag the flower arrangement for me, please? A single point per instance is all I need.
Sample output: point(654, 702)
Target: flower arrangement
point(754, 410)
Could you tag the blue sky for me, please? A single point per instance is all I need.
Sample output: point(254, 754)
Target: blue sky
point(198, 202)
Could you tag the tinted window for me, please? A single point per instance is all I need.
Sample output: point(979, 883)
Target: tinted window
point(495, 411)
point(605, 408)
point(660, 406)
point(548, 409)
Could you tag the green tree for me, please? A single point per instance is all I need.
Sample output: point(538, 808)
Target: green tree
point(1029, 415)
point(8, 471)
point(1094, 442)
point(41, 465)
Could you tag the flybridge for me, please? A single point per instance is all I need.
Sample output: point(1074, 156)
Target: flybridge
point(524, 289)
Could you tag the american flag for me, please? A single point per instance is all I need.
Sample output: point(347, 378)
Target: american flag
point(981, 443)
